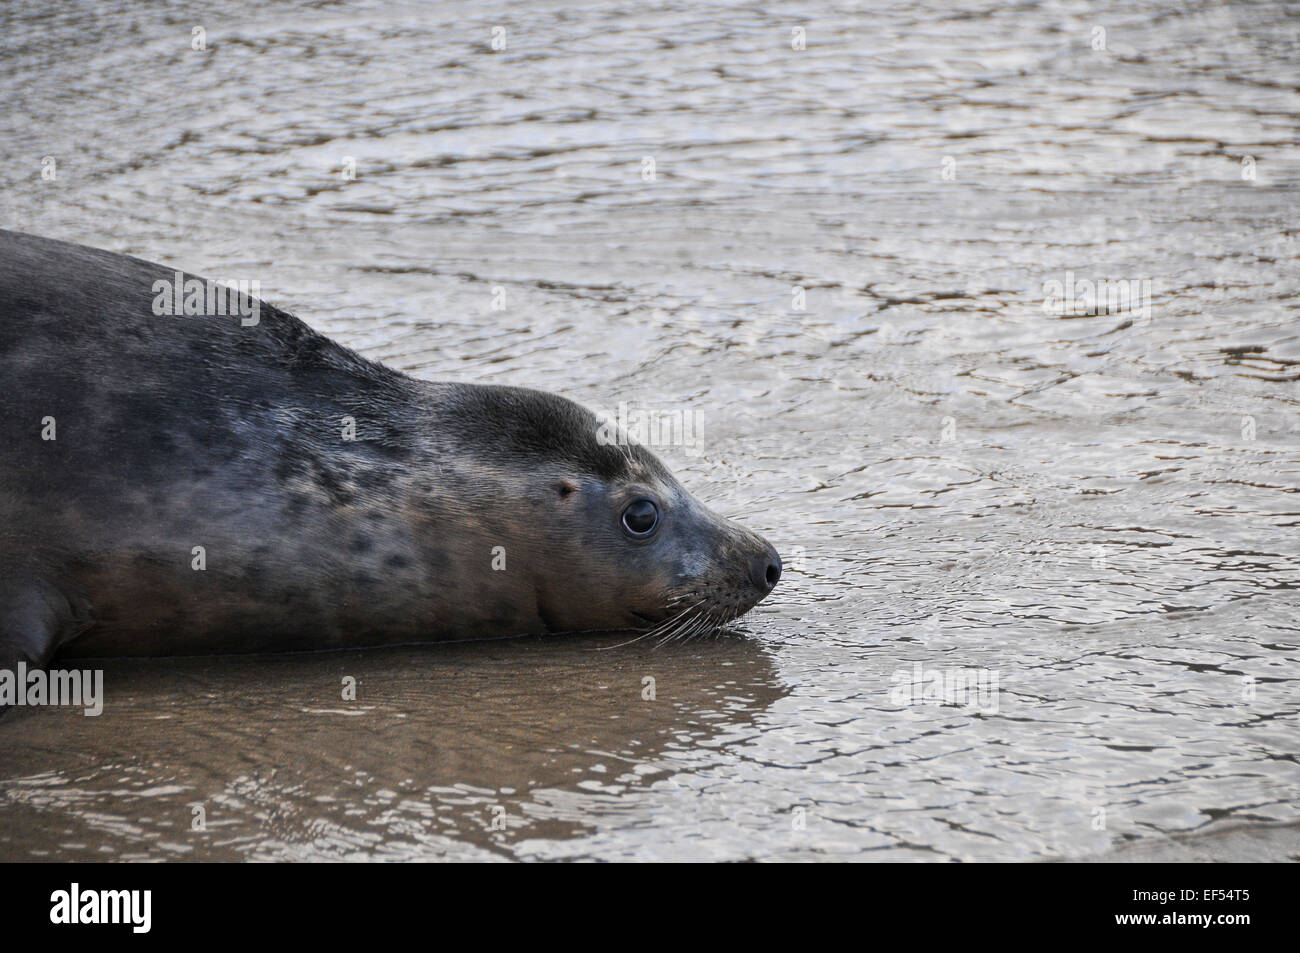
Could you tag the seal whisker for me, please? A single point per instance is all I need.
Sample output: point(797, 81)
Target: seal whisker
point(684, 620)
point(675, 622)
point(702, 625)
point(710, 626)
point(681, 631)
point(656, 630)
point(671, 621)
point(685, 632)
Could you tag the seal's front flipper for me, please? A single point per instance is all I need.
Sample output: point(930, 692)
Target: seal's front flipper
point(36, 618)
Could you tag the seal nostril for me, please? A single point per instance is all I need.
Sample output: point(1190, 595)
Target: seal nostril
point(765, 570)
point(773, 575)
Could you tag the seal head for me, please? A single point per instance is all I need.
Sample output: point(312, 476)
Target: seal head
point(609, 538)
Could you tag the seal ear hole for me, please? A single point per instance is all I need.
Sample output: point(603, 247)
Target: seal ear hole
point(567, 488)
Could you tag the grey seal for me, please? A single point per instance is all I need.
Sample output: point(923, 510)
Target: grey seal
point(235, 482)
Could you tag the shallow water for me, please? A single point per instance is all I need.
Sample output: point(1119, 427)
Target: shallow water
point(1098, 511)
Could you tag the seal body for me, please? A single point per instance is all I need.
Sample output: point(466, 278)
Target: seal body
point(176, 484)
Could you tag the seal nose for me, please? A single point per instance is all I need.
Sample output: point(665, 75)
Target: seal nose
point(765, 570)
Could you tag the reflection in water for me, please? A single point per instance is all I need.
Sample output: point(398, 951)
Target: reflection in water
point(1096, 505)
point(469, 746)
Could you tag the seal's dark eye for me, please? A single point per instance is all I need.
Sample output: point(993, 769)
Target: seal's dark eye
point(641, 518)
